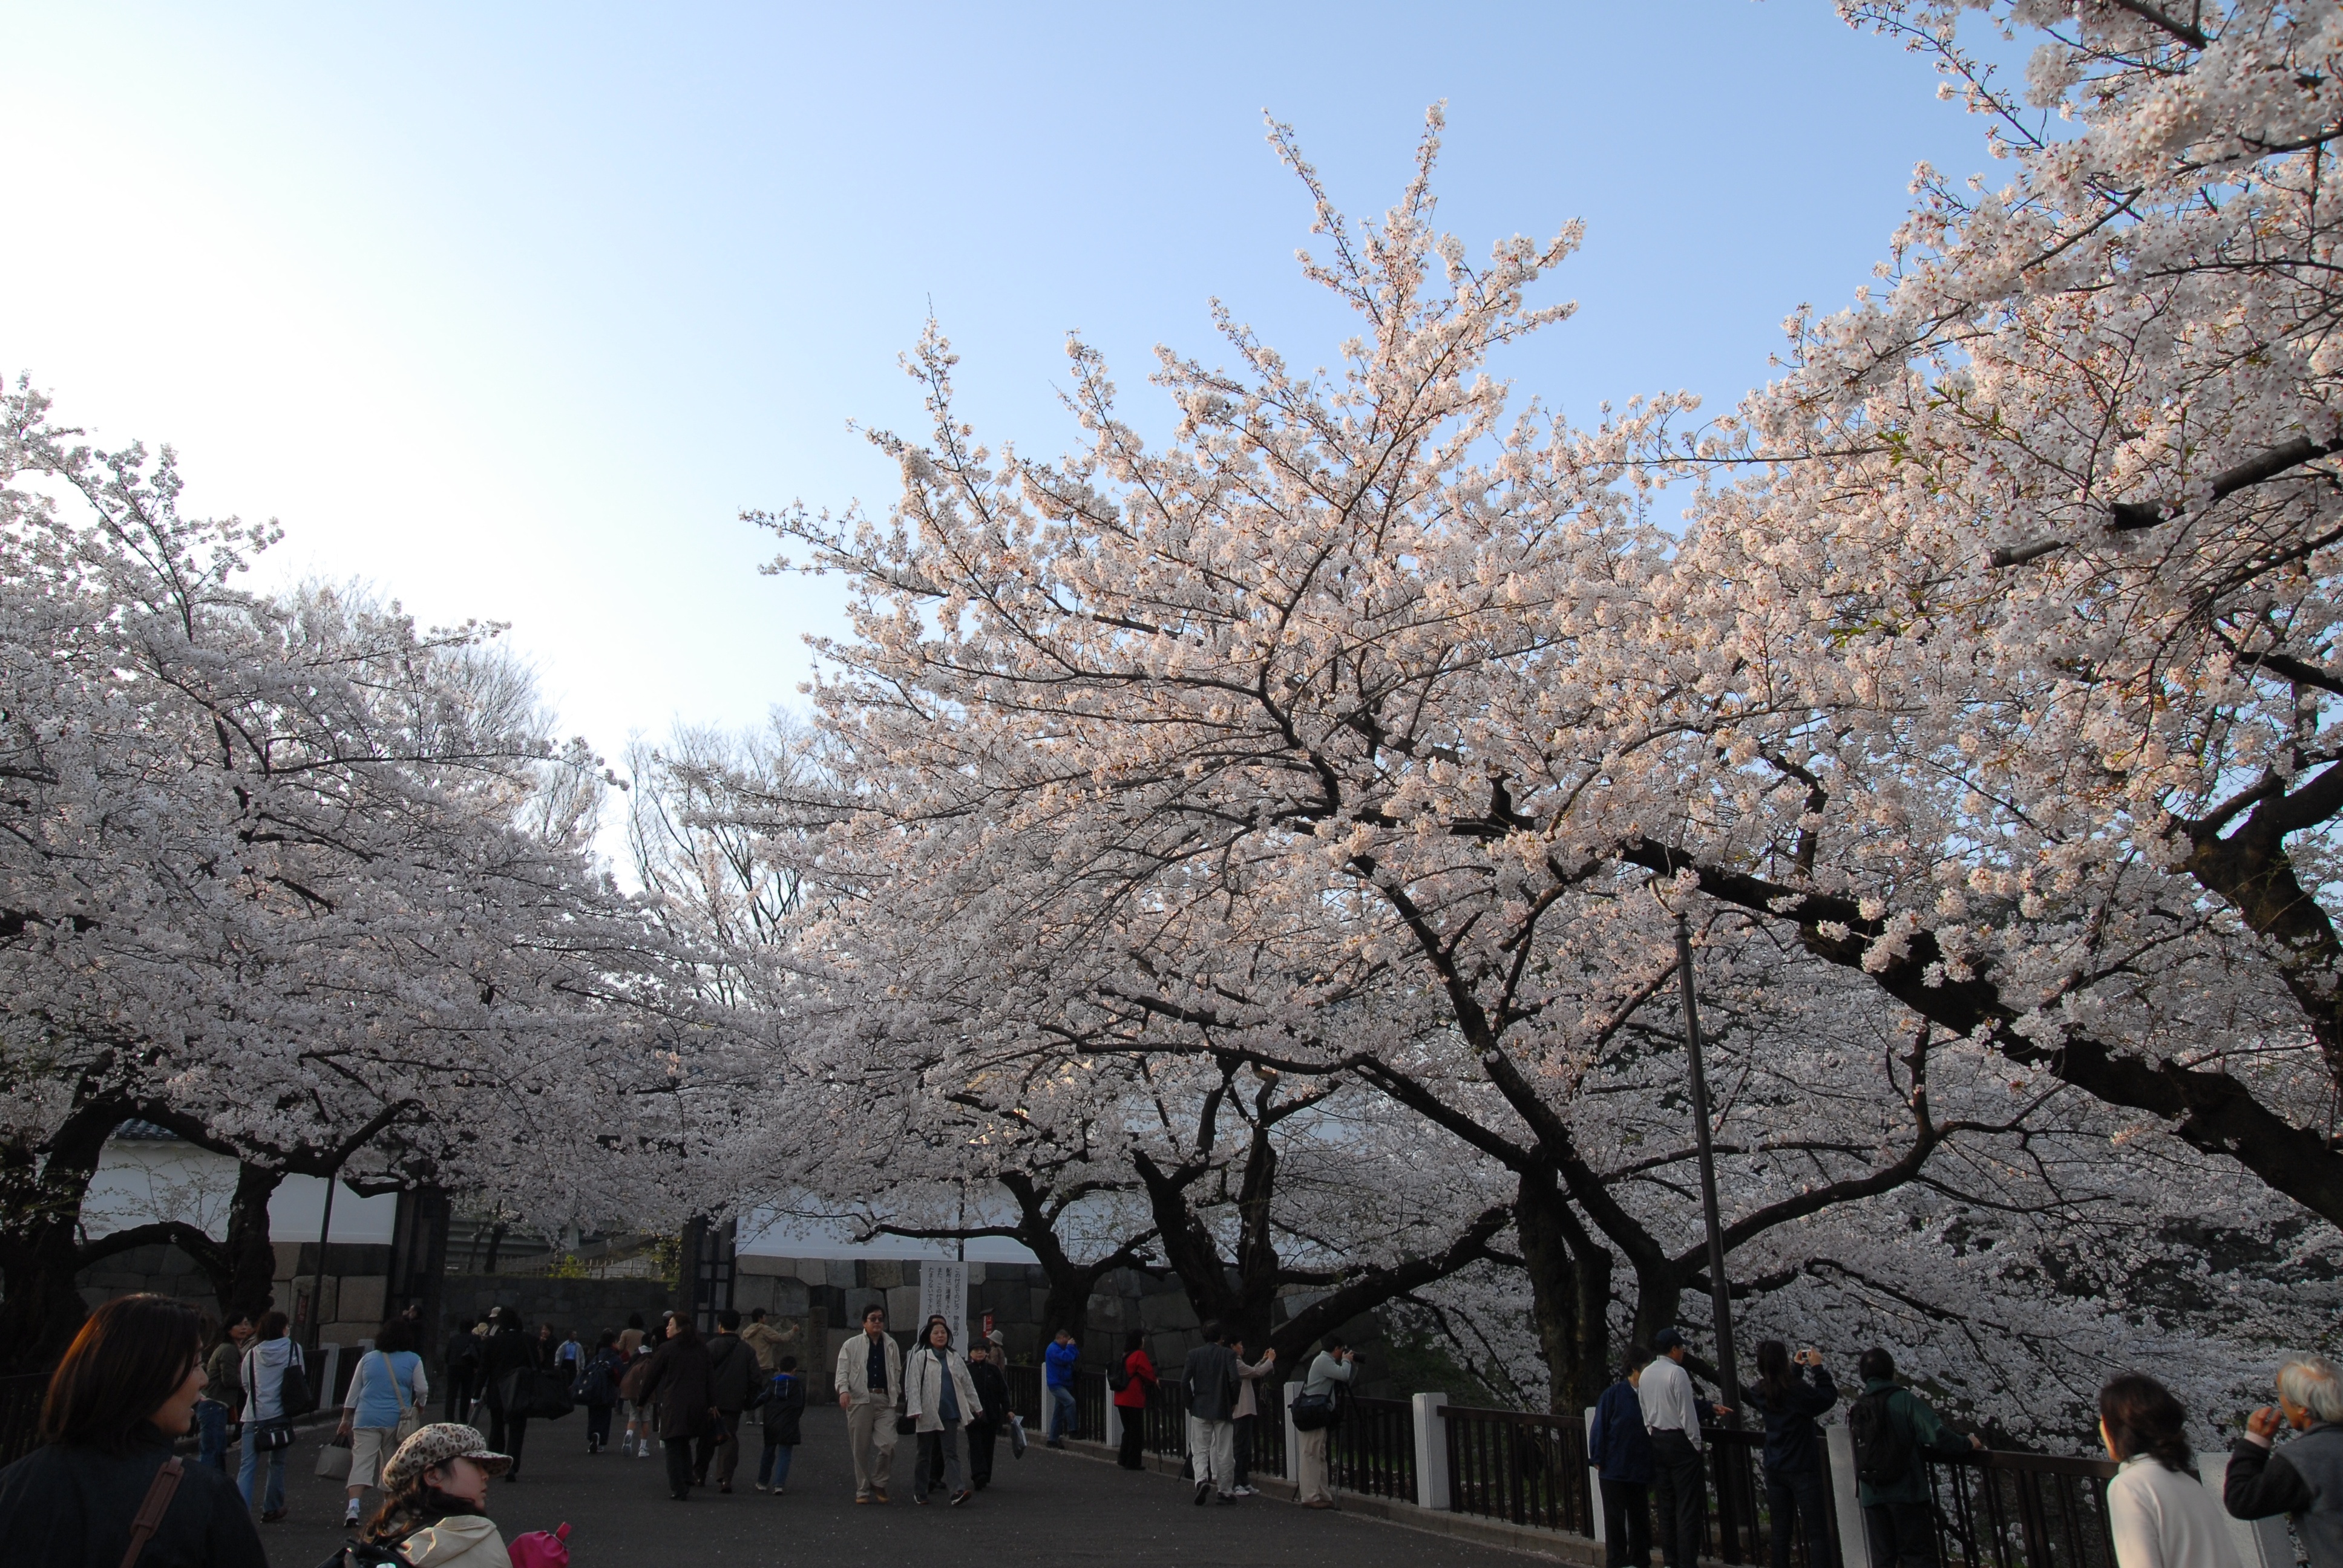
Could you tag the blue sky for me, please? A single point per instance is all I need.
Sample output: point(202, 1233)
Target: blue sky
point(510, 310)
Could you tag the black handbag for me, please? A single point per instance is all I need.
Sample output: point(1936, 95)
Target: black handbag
point(269, 1436)
point(527, 1391)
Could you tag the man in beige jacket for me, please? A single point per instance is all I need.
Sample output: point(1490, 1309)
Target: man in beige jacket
point(870, 1381)
point(766, 1340)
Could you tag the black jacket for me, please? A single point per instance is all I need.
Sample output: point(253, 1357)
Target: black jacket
point(1794, 1445)
point(72, 1507)
point(783, 1407)
point(681, 1386)
point(507, 1351)
point(991, 1392)
point(462, 1352)
point(733, 1374)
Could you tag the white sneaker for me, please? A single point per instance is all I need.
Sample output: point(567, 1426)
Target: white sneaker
point(1242, 1492)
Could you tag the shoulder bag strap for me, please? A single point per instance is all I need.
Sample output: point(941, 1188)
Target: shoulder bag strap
point(391, 1372)
point(159, 1493)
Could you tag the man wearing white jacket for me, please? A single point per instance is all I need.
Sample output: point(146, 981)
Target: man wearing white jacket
point(869, 1382)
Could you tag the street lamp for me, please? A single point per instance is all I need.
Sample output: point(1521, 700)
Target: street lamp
point(1720, 1293)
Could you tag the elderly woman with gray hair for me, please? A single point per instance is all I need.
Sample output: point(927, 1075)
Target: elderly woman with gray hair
point(2304, 1480)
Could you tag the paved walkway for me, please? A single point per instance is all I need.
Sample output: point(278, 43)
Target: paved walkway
point(1048, 1507)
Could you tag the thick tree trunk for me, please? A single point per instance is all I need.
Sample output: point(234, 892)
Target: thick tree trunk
point(251, 1257)
point(40, 1251)
point(1570, 1292)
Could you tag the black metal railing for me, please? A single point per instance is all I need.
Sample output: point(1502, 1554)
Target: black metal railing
point(1739, 1515)
point(1025, 1394)
point(1091, 1395)
point(20, 1414)
point(1996, 1510)
point(1029, 1396)
point(1166, 1416)
point(1267, 1457)
point(1372, 1448)
point(1520, 1467)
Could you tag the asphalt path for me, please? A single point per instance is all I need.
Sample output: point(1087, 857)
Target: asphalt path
point(1051, 1507)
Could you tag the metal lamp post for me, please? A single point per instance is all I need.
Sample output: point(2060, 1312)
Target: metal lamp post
point(1720, 1292)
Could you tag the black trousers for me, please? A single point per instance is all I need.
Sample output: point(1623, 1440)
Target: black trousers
point(506, 1432)
point(1134, 1437)
point(1627, 1523)
point(462, 1389)
point(1680, 1491)
point(679, 1466)
point(1902, 1534)
point(980, 1439)
point(597, 1427)
point(1798, 1496)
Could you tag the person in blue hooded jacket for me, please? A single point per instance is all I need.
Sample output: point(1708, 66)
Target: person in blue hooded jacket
point(1621, 1451)
point(1059, 1361)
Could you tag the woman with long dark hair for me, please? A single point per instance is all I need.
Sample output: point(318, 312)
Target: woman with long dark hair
point(105, 1476)
point(269, 1359)
point(2159, 1513)
point(1790, 1392)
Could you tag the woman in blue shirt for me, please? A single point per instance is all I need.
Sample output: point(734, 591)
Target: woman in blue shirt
point(388, 1390)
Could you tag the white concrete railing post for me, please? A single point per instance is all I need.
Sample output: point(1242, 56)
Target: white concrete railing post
point(1113, 1421)
point(1293, 1387)
point(1594, 1481)
point(2260, 1543)
point(1855, 1541)
point(1431, 1450)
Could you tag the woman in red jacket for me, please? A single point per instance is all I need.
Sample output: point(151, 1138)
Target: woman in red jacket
point(1131, 1399)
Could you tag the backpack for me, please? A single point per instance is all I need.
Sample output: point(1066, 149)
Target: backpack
point(594, 1385)
point(1883, 1445)
point(1118, 1378)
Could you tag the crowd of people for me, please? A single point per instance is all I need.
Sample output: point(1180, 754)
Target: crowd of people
point(145, 1373)
point(1645, 1443)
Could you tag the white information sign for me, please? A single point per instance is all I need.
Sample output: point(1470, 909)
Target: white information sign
point(943, 1293)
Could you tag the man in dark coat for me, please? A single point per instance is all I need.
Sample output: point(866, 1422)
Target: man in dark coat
point(734, 1378)
point(461, 1363)
point(681, 1383)
point(992, 1393)
point(507, 1352)
point(1620, 1451)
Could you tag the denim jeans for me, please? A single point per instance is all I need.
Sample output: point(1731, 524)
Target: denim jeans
point(211, 1423)
point(273, 1502)
point(1062, 1412)
point(773, 1464)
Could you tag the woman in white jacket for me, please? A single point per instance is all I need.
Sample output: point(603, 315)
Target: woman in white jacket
point(2159, 1513)
point(940, 1399)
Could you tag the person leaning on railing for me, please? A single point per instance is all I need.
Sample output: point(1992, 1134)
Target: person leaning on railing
point(2303, 1481)
point(1895, 1433)
point(104, 1486)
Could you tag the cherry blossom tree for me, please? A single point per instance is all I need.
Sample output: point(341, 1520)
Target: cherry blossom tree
point(298, 881)
point(1998, 663)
